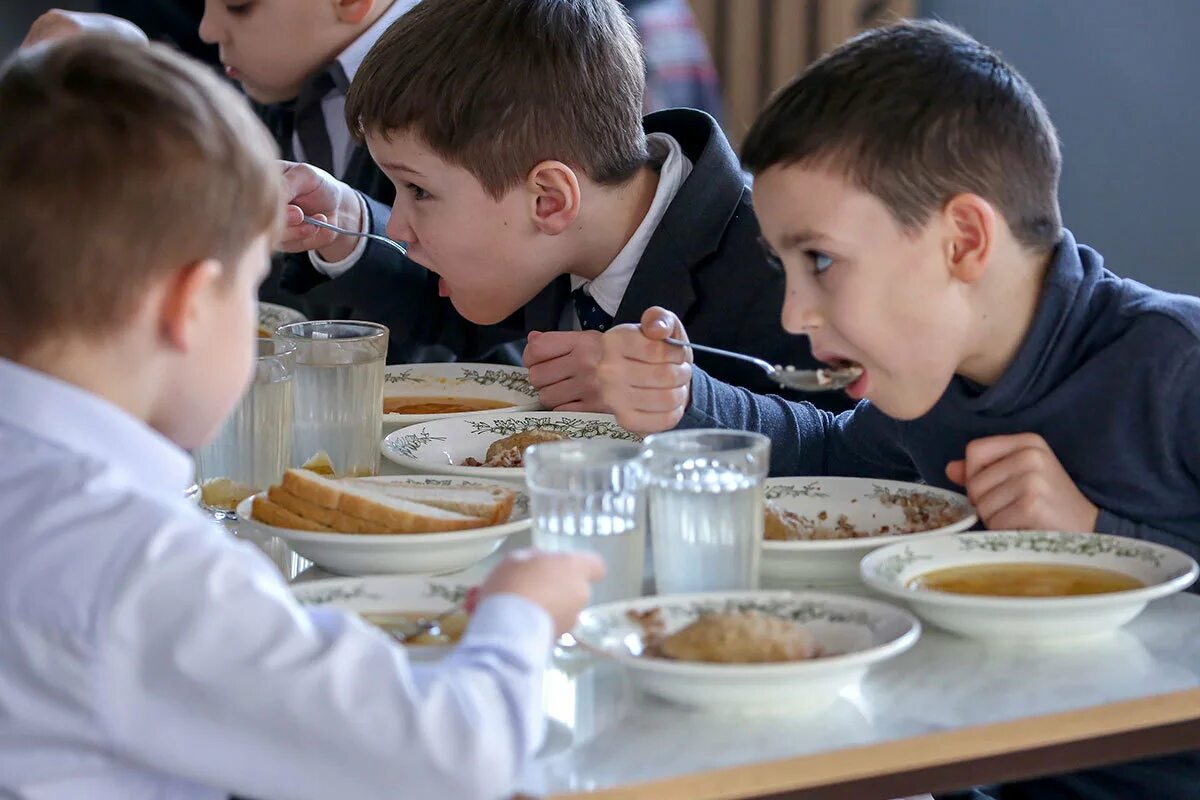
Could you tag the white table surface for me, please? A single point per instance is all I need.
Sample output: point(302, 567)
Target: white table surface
point(605, 735)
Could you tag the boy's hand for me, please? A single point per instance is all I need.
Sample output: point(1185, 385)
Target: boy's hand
point(318, 194)
point(562, 367)
point(58, 24)
point(646, 382)
point(558, 582)
point(1017, 483)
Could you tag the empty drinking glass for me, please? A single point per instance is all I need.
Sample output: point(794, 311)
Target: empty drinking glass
point(339, 392)
point(254, 445)
point(589, 495)
point(706, 509)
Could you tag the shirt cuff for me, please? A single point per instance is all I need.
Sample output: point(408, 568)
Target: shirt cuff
point(524, 627)
point(335, 269)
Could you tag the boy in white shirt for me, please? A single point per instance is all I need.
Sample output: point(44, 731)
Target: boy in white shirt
point(143, 651)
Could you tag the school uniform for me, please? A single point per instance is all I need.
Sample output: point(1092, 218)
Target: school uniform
point(702, 259)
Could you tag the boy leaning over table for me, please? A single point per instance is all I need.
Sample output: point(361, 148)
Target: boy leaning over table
point(144, 652)
point(907, 183)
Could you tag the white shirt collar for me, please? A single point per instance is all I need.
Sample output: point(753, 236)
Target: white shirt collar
point(608, 289)
point(53, 410)
point(352, 57)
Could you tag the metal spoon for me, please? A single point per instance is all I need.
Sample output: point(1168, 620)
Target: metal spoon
point(430, 625)
point(804, 380)
point(345, 232)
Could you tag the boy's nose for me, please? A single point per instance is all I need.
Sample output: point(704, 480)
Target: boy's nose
point(399, 229)
point(800, 315)
point(209, 31)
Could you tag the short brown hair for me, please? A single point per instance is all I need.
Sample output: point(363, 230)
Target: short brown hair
point(916, 113)
point(496, 86)
point(118, 164)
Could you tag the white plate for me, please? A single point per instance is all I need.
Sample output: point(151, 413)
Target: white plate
point(504, 384)
point(403, 553)
point(442, 445)
point(271, 316)
point(1164, 570)
point(388, 593)
point(863, 632)
point(834, 561)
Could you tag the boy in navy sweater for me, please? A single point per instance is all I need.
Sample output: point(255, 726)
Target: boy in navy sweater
point(907, 183)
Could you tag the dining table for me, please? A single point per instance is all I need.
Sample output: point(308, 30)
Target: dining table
point(950, 713)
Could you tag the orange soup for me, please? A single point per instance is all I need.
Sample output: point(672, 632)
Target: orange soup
point(440, 405)
point(1025, 580)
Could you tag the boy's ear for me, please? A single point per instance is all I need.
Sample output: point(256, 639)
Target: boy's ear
point(353, 11)
point(184, 295)
point(554, 191)
point(971, 224)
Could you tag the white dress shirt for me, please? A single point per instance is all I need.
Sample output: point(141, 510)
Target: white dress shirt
point(608, 289)
point(146, 653)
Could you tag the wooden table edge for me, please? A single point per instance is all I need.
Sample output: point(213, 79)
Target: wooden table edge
point(1175, 712)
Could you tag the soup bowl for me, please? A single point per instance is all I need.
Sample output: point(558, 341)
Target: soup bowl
point(897, 571)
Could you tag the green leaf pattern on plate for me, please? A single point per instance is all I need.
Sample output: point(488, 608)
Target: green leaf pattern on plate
point(407, 446)
point(513, 381)
point(573, 428)
point(810, 489)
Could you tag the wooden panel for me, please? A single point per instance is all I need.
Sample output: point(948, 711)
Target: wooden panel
point(789, 41)
point(838, 20)
point(742, 64)
point(706, 14)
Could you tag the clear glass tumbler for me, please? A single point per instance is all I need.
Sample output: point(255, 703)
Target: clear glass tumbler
point(589, 495)
point(706, 509)
point(339, 392)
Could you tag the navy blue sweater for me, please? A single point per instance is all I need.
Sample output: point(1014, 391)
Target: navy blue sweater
point(1108, 375)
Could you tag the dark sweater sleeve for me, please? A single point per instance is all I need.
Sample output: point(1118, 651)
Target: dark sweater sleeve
point(1182, 394)
point(805, 440)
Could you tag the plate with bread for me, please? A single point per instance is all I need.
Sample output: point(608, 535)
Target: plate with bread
point(817, 530)
point(271, 316)
point(492, 446)
point(395, 524)
point(414, 393)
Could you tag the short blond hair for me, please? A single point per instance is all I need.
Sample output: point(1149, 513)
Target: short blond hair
point(496, 86)
point(118, 164)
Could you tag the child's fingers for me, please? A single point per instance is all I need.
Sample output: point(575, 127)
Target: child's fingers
point(548, 373)
point(983, 452)
point(658, 376)
point(563, 392)
point(658, 323)
point(956, 471)
point(549, 345)
point(992, 503)
point(647, 423)
point(657, 401)
point(984, 480)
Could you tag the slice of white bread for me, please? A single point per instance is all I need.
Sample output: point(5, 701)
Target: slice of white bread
point(271, 513)
point(491, 503)
point(329, 518)
point(378, 511)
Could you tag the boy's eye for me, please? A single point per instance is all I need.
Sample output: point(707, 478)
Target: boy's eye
point(820, 261)
point(240, 8)
point(417, 192)
point(772, 257)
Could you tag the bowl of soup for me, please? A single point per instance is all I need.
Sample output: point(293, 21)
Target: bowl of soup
point(1028, 585)
point(416, 393)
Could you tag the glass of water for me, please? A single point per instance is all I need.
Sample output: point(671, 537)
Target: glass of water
point(589, 495)
point(339, 392)
point(254, 445)
point(706, 509)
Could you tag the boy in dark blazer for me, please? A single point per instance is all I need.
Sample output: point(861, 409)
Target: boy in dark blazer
point(538, 200)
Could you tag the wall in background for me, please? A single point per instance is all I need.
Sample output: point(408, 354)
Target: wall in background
point(1120, 82)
